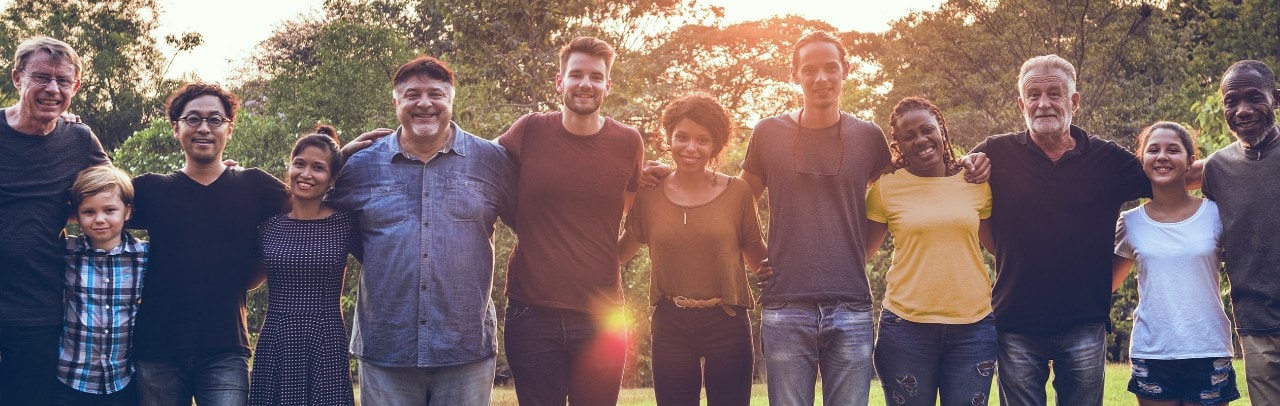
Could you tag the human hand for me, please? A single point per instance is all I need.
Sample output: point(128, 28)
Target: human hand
point(977, 169)
point(652, 173)
point(364, 141)
point(71, 118)
point(763, 274)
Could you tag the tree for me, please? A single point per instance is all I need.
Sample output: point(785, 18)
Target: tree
point(123, 72)
point(746, 65)
point(335, 70)
point(965, 56)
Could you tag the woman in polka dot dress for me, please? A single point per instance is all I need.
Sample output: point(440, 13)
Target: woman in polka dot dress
point(301, 357)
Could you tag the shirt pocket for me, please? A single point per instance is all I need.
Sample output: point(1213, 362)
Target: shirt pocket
point(387, 207)
point(466, 200)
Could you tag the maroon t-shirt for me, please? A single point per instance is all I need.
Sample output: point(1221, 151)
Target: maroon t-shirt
point(568, 212)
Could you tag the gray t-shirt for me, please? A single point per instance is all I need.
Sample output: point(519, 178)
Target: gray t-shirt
point(817, 182)
point(36, 172)
point(1246, 192)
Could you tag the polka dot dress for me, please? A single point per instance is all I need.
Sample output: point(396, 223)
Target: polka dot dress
point(301, 358)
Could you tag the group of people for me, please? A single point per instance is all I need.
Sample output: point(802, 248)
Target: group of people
point(417, 206)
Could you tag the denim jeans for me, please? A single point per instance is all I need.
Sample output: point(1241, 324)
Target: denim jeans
point(684, 338)
point(28, 364)
point(64, 395)
point(466, 384)
point(917, 362)
point(802, 338)
point(220, 379)
point(1078, 356)
point(556, 354)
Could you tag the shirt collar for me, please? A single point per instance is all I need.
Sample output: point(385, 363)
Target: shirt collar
point(127, 244)
point(1079, 134)
point(393, 149)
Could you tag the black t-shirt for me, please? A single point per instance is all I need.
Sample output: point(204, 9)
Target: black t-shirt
point(1054, 226)
point(36, 173)
point(203, 245)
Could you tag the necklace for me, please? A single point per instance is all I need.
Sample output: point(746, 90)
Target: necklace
point(715, 180)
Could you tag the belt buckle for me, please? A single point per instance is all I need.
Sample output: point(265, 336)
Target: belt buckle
point(678, 299)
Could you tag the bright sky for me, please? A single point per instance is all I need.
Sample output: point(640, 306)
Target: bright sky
point(232, 28)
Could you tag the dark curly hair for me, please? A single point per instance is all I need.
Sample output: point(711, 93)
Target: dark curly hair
point(704, 110)
point(949, 159)
point(191, 91)
point(325, 138)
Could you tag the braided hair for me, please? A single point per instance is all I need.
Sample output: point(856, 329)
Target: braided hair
point(949, 160)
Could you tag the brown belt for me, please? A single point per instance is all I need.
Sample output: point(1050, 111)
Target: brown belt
point(687, 303)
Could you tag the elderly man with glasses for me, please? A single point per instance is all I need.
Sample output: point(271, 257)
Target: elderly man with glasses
point(40, 154)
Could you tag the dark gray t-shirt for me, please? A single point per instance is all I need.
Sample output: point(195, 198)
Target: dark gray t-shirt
point(817, 184)
point(36, 173)
point(1246, 192)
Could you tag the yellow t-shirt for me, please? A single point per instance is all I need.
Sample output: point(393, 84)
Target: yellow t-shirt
point(937, 274)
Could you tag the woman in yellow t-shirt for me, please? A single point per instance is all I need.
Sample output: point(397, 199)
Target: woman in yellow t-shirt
point(937, 335)
point(699, 225)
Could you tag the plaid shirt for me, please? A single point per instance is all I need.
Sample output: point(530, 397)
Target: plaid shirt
point(103, 290)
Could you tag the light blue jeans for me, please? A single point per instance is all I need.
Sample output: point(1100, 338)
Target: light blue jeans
point(801, 338)
point(466, 384)
point(1079, 365)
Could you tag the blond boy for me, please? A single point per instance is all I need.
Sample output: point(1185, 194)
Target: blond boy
point(105, 266)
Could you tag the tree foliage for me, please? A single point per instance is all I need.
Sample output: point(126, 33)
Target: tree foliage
point(123, 73)
point(965, 56)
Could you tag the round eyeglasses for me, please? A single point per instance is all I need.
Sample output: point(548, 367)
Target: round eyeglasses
point(214, 121)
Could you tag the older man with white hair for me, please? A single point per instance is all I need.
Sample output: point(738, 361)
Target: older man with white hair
point(1056, 194)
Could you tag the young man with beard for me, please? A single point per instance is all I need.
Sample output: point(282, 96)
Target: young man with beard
point(1244, 180)
point(40, 155)
point(191, 338)
point(578, 173)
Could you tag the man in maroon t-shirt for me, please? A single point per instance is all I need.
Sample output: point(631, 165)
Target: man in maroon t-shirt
point(578, 173)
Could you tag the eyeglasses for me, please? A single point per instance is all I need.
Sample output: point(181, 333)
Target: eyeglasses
point(817, 154)
point(214, 121)
point(43, 80)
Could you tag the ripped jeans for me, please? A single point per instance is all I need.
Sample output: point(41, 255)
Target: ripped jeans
point(920, 362)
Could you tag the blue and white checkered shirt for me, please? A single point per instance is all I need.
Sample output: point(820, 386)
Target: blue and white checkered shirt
point(103, 290)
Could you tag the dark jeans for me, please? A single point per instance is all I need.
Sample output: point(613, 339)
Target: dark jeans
point(213, 380)
point(28, 364)
point(684, 338)
point(556, 354)
point(920, 362)
point(64, 395)
point(1078, 357)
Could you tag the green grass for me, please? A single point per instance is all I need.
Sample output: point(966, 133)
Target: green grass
point(1115, 393)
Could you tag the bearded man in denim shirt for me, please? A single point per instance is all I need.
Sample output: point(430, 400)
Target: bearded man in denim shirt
point(426, 197)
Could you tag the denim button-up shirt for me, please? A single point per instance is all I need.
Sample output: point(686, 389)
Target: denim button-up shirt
point(427, 267)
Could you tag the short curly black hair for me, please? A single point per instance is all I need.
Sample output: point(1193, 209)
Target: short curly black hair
point(178, 101)
point(704, 110)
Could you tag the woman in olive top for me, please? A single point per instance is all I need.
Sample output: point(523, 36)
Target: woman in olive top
point(699, 225)
point(937, 335)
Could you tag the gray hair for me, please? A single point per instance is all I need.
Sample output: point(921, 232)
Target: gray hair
point(1050, 62)
point(59, 50)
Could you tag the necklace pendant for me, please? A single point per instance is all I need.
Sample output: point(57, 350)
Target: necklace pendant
point(686, 216)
